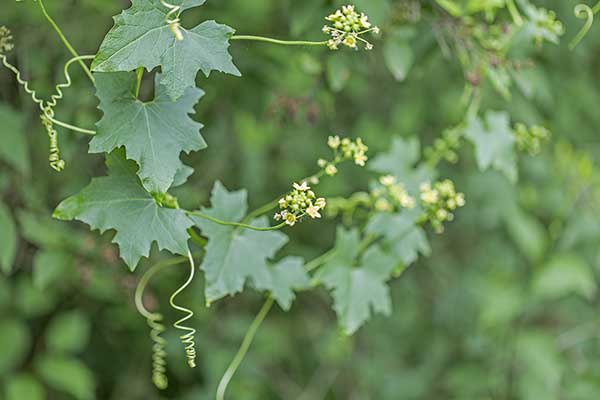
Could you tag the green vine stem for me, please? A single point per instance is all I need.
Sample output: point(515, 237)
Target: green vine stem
point(154, 320)
point(188, 338)
point(277, 41)
point(236, 224)
point(65, 41)
point(583, 11)
point(243, 350)
point(514, 12)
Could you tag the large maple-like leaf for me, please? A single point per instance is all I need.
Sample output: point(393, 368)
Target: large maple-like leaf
point(494, 143)
point(357, 289)
point(141, 37)
point(120, 202)
point(236, 255)
point(154, 133)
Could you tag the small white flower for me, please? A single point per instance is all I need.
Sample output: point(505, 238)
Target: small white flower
point(321, 203)
point(430, 196)
point(360, 159)
point(331, 170)
point(407, 201)
point(383, 205)
point(460, 199)
point(321, 163)
point(313, 212)
point(334, 142)
point(277, 217)
point(290, 219)
point(387, 180)
point(282, 203)
point(442, 214)
point(303, 187)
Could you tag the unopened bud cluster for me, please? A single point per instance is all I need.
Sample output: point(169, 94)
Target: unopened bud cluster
point(439, 201)
point(298, 203)
point(547, 25)
point(347, 27)
point(530, 139)
point(390, 195)
point(6, 44)
point(444, 148)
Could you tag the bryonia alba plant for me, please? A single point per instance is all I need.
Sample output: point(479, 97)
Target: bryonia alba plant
point(382, 229)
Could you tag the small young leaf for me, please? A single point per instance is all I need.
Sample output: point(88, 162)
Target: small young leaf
point(120, 202)
point(141, 37)
point(398, 53)
point(154, 133)
point(494, 143)
point(357, 291)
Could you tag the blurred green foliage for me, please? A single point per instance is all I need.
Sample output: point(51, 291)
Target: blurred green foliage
point(504, 308)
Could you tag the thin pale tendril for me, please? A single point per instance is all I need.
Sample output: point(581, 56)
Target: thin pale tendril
point(173, 19)
point(188, 338)
point(244, 347)
point(154, 320)
point(47, 109)
point(583, 11)
point(52, 103)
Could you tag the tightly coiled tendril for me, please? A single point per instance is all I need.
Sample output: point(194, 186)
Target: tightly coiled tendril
point(583, 11)
point(173, 19)
point(154, 320)
point(188, 338)
point(47, 108)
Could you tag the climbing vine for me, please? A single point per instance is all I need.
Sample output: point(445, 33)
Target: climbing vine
point(383, 229)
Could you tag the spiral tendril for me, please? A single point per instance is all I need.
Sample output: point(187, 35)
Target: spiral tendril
point(47, 108)
point(583, 11)
point(154, 320)
point(188, 338)
point(173, 20)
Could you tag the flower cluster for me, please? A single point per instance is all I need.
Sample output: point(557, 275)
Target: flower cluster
point(391, 195)
point(530, 139)
point(349, 150)
point(5, 40)
point(347, 27)
point(545, 25)
point(298, 203)
point(444, 148)
point(439, 201)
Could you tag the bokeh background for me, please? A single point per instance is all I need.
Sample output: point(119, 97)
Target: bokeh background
point(505, 308)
